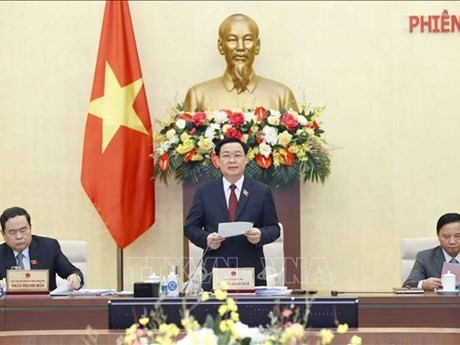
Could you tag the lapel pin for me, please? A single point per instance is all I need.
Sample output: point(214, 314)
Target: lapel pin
point(245, 192)
point(33, 262)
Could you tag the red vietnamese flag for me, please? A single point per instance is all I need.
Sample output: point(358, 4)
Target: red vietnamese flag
point(117, 167)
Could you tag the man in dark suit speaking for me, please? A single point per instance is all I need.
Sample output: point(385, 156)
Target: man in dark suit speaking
point(212, 204)
point(428, 264)
point(28, 251)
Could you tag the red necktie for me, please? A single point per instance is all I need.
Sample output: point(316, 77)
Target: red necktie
point(232, 203)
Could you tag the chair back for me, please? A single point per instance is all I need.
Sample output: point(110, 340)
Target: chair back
point(410, 246)
point(77, 253)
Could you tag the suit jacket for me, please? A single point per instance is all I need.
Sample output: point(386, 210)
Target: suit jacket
point(45, 253)
point(209, 208)
point(428, 263)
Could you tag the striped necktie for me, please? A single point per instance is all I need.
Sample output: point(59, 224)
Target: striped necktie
point(19, 257)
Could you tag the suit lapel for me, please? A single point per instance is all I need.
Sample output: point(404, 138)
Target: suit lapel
point(34, 253)
point(244, 196)
point(220, 198)
point(439, 261)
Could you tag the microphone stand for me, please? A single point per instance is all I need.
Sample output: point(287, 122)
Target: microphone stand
point(183, 292)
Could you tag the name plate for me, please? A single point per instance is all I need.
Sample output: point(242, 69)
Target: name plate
point(27, 281)
point(242, 278)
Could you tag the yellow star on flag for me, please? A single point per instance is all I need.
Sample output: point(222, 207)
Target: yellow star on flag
point(115, 108)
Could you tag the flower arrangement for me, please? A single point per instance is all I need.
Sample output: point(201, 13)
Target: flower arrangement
point(283, 145)
point(286, 327)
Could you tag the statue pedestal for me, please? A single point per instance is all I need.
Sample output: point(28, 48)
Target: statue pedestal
point(287, 202)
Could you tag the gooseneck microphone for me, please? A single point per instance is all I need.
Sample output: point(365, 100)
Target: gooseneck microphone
point(182, 293)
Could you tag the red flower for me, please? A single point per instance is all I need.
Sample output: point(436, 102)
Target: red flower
point(261, 113)
point(189, 155)
point(199, 118)
point(287, 157)
point(233, 133)
point(263, 162)
point(192, 131)
point(236, 119)
point(289, 121)
point(186, 117)
point(164, 162)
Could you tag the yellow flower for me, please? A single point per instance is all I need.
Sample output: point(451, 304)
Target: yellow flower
point(224, 285)
point(171, 134)
point(223, 309)
point(273, 120)
point(326, 336)
point(231, 304)
point(197, 157)
point(355, 340)
point(342, 328)
point(185, 147)
point(284, 138)
point(235, 316)
point(143, 321)
point(205, 296)
point(221, 295)
point(293, 332)
point(184, 136)
point(205, 144)
point(190, 324)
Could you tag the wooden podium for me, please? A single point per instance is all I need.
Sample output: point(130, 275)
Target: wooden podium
point(287, 200)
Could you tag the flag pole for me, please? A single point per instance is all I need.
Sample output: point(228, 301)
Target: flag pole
point(119, 269)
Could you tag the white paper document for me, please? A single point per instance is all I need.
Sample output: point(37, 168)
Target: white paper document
point(62, 290)
point(231, 229)
point(272, 291)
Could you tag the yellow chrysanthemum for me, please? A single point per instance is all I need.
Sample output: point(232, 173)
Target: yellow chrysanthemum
point(326, 336)
point(143, 321)
point(231, 304)
point(342, 328)
point(223, 309)
point(235, 316)
point(190, 324)
point(205, 296)
point(355, 340)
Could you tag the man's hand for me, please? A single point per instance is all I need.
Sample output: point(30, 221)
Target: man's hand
point(73, 281)
point(253, 235)
point(431, 284)
point(215, 240)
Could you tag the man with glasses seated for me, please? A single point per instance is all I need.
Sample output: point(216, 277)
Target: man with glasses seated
point(427, 269)
point(212, 204)
point(28, 251)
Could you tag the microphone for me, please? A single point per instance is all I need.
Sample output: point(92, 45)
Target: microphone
point(182, 293)
point(336, 292)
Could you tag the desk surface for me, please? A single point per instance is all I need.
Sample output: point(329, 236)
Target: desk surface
point(374, 310)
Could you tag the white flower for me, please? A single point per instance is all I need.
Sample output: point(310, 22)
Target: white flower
point(171, 134)
point(164, 147)
point(180, 123)
point(249, 116)
point(275, 113)
point(220, 117)
point(270, 135)
point(302, 120)
point(210, 132)
point(265, 149)
point(273, 120)
point(204, 336)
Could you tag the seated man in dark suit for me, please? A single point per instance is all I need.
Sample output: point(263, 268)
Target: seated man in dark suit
point(35, 252)
point(211, 206)
point(428, 264)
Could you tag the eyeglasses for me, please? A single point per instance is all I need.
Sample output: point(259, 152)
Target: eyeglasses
point(237, 157)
